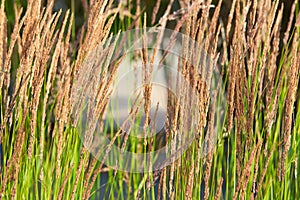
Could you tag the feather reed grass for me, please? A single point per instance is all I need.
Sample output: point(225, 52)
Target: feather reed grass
point(254, 153)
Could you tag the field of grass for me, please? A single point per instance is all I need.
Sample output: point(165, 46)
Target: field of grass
point(248, 149)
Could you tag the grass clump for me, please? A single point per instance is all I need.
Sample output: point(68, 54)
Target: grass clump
point(256, 154)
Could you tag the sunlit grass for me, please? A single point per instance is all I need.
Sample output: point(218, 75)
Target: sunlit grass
point(257, 146)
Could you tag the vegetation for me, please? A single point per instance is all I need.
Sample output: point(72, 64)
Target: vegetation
point(257, 147)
